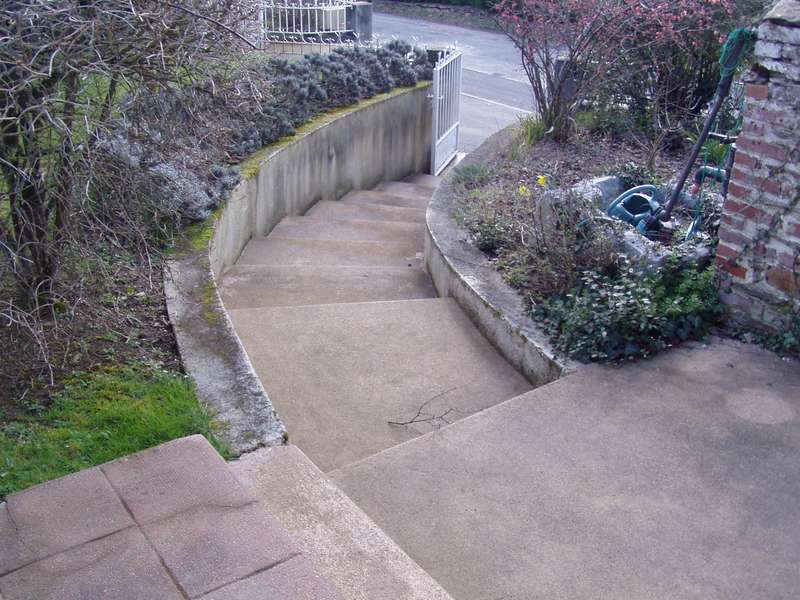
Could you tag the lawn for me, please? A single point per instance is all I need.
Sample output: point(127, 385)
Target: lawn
point(100, 416)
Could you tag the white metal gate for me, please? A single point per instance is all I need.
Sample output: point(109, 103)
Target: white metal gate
point(446, 110)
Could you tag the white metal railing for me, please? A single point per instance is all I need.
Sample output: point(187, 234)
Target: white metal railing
point(305, 22)
point(446, 95)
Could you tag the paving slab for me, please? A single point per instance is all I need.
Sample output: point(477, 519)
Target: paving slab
point(367, 231)
point(209, 547)
point(248, 286)
point(278, 250)
point(373, 197)
point(57, 515)
point(676, 477)
point(295, 579)
point(180, 475)
point(121, 566)
point(346, 545)
point(366, 212)
point(339, 373)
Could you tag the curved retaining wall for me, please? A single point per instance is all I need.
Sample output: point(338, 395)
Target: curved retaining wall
point(462, 271)
point(383, 138)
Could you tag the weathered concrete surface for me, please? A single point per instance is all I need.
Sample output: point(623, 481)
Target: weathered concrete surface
point(339, 373)
point(171, 522)
point(277, 250)
point(311, 228)
point(350, 550)
point(463, 272)
point(676, 477)
point(404, 189)
point(372, 197)
point(251, 286)
point(365, 212)
point(383, 138)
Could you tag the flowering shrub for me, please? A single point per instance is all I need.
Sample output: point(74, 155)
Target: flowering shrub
point(570, 47)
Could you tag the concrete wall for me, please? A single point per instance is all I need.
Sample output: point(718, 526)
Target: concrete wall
point(384, 138)
point(759, 248)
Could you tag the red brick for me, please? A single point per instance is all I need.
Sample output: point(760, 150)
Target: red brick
point(732, 268)
point(733, 237)
point(734, 222)
point(788, 260)
point(756, 92)
point(759, 184)
point(764, 149)
point(747, 211)
point(727, 252)
point(785, 280)
point(737, 191)
point(742, 158)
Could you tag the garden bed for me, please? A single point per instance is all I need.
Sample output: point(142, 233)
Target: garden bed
point(598, 289)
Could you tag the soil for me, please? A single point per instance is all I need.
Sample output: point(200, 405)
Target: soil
point(461, 16)
point(113, 312)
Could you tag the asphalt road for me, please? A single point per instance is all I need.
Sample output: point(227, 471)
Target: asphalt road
point(495, 91)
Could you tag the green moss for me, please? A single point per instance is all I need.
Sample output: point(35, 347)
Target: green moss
point(208, 299)
point(99, 417)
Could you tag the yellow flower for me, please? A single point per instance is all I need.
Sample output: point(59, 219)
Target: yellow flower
point(542, 180)
point(524, 191)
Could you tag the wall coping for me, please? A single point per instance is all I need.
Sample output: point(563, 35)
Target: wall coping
point(462, 271)
point(210, 349)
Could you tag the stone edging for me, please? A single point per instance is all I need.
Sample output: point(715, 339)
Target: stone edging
point(211, 352)
point(462, 271)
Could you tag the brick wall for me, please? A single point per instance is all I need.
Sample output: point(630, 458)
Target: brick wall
point(759, 248)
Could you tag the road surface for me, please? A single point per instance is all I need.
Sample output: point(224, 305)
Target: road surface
point(495, 90)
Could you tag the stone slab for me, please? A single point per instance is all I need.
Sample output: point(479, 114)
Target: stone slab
point(368, 231)
point(346, 545)
point(365, 212)
point(339, 373)
point(291, 251)
point(405, 189)
point(385, 199)
point(295, 579)
point(247, 286)
point(180, 475)
point(212, 546)
point(121, 566)
point(676, 477)
point(57, 515)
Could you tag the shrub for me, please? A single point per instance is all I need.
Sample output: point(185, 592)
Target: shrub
point(626, 315)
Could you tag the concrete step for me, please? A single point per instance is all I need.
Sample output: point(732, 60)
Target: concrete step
point(425, 180)
point(277, 250)
point(365, 212)
point(338, 374)
point(404, 189)
point(622, 474)
point(384, 199)
point(350, 230)
point(349, 550)
point(251, 286)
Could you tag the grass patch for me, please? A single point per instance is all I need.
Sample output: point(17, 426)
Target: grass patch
point(98, 417)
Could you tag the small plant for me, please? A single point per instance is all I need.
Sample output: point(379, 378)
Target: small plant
point(531, 130)
point(471, 175)
point(628, 315)
point(632, 174)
